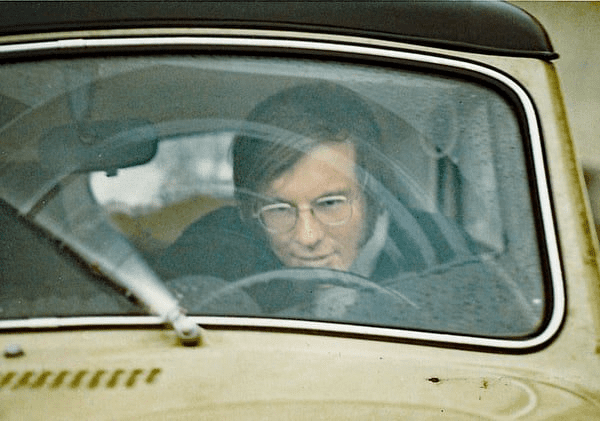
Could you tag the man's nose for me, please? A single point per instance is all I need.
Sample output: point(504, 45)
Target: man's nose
point(309, 231)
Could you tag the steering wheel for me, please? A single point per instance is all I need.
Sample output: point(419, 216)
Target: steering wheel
point(307, 292)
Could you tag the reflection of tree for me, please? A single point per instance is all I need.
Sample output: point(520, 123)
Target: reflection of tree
point(194, 166)
point(183, 168)
point(178, 167)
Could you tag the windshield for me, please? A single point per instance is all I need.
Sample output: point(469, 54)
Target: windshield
point(263, 187)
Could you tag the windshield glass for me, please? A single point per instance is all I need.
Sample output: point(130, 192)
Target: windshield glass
point(264, 187)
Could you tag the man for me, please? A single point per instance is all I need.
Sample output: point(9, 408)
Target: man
point(314, 190)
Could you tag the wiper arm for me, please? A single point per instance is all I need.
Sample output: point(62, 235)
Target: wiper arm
point(139, 279)
point(95, 241)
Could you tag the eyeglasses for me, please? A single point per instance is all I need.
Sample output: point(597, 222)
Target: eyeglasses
point(282, 217)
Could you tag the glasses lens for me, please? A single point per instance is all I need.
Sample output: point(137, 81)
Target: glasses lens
point(279, 217)
point(333, 210)
point(282, 217)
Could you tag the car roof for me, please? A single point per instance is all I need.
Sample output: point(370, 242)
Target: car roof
point(490, 27)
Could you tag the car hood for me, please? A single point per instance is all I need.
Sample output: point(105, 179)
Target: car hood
point(146, 374)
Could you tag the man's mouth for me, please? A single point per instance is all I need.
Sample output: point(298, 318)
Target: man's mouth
point(315, 261)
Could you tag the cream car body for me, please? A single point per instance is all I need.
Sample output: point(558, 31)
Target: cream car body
point(135, 367)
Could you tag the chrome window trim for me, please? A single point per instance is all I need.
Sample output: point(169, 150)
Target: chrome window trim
point(544, 200)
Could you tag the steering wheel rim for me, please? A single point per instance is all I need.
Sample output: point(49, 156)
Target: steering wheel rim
point(320, 275)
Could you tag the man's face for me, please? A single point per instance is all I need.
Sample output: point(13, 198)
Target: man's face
point(327, 171)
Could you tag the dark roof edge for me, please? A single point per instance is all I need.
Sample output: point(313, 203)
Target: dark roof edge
point(489, 27)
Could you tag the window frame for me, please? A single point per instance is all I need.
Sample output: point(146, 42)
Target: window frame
point(357, 50)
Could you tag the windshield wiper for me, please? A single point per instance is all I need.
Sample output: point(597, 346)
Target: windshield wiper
point(90, 236)
point(134, 275)
point(139, 279)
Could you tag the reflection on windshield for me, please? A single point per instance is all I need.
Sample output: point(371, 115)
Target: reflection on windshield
point(313, 191)
point(181, 168)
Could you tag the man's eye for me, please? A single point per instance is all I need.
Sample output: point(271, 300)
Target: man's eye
point(331, 201)
point(281, 210)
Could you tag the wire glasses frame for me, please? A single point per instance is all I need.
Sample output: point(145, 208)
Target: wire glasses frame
point(280, 218)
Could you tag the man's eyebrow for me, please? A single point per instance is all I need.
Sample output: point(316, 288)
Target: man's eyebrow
point(341, 192)
point(276, 200)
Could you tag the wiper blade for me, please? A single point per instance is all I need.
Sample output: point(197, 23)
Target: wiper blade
point(139, 279)
point(110, 254)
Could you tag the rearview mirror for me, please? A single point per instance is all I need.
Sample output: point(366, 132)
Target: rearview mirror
point(99, 146)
